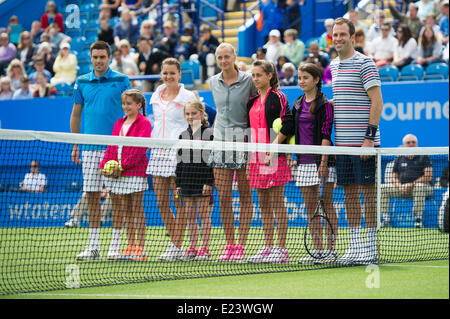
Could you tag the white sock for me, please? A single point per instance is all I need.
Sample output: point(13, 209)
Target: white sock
point(116, 236)
point(94, 234)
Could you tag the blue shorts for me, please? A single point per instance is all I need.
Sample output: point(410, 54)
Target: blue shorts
point(351, 169)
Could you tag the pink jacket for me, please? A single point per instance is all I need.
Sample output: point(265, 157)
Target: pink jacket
point(134, 159)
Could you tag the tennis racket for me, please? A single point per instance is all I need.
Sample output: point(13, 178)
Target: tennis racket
point(317, 224)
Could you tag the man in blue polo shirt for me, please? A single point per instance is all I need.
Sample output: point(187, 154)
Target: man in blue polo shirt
point(98, 95)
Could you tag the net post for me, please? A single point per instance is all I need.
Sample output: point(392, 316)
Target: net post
point(378, 188)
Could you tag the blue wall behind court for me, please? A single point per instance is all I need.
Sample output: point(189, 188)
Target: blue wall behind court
point(409, 107)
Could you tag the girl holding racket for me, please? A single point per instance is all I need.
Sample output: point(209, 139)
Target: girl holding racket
point(313, 122)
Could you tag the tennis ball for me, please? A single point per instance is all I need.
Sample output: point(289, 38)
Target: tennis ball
point(276, 125)
point(109, 166)
point(292, 140)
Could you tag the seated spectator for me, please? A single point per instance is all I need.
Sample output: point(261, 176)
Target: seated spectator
point(411, 177)
point(375, 28)
point(43, 88)
point(6, 90)
point(273, 46)
point(187, 45)
point(25, 49)
point(51, 15)
point(242, 66)
point(24, 92)
point(34, 181)
point(445, 54)
point(45, 52)
point(430, 48)
point(444, 21)
point(148, 30)
point(65, 66)
point(432, 22)
point(327, 77)
point(282, 60)
point(39, 67)
point(8, 52)
point(425, 7)
point(288, 70)
point(14, 29)
point(360, 40)
point(316, 56)
point(206, 48)
point(56, 36)
point(126, 29)
point(260, 54)
point(36, 32)
point(125, 48)
point(294, 48)
point(135, 84)
point(326, 39)
point(168, 40)
point(15, 72)
point(152, 11)
point(411, 19)
point(353, 16)
point(382, 48)
point(106, 33)
point(120, 64)
point(406, 50)
point(110, 8)
point(149, 61)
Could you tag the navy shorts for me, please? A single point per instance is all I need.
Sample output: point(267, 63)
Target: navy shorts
point(351, 169)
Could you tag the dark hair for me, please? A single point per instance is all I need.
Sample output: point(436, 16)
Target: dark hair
point(424, 41)
point(315, 72)
point(351, 26)
point(137, 97)
point(269, 68)
point(101, 45)
point(406, 34)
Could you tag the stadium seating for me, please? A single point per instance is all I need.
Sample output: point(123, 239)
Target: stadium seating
point(388, 73)
point(187, 78)
point(436, 71)
point(411, 72)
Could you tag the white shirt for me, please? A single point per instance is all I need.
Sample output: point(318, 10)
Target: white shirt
point(410, 50)
point(169, 115)
point(382, 48)
point(34, 182)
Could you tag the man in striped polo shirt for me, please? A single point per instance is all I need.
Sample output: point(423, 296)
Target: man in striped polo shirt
point(357, 109)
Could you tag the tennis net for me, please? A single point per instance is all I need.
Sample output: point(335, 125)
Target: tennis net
point(146, 226)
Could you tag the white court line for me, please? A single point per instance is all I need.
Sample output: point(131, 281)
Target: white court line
point(130, 296)
point(415, 266)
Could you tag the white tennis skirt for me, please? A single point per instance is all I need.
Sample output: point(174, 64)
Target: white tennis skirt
point(126, 184)
point(163, 162)
point(306, 175)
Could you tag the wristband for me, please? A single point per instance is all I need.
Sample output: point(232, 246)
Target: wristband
point(371, 132)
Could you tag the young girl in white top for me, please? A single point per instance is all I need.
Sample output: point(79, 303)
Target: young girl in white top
point(168, 110)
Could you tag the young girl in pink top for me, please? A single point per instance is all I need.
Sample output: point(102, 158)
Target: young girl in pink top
point(128, 181)
point(269, 173)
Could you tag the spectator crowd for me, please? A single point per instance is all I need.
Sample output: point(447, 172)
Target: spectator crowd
point(34, 62)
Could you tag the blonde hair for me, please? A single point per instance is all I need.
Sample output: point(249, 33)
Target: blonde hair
point(225, 45)
point(7, 80)
point(14, 63)
point(199, 106)
point(137, 97)
point(171, 61)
